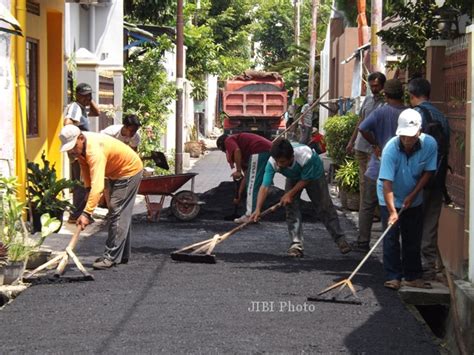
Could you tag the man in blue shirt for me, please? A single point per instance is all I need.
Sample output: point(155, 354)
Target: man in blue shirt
point(303, 169)
point(408, 161)
point(377, 129)
point(419, 90)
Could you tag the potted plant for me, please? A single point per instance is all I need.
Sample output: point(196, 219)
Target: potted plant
point(16, 243)
point(194, 147)
point(45, 191)
point(338, 131)
point(347, 179)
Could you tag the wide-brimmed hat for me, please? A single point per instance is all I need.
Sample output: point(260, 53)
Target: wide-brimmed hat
point(409, 123)
point(68, 137)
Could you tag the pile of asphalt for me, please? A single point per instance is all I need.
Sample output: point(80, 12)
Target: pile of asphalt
point(218, 204)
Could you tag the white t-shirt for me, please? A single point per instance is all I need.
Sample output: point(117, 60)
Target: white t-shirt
point(78, 114)
point(115, 131)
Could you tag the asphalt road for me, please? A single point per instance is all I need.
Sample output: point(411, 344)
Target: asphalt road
point(254, 300)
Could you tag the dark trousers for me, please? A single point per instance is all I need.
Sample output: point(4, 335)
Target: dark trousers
point(79, 193)
point(405, 261)
point(122, 200)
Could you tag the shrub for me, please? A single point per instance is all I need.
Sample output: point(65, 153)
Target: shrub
point(338, 132)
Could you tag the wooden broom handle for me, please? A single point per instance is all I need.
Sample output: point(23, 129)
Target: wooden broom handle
point(239, 227)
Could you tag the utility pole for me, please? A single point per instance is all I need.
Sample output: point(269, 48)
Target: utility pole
point(179, 88)
point(312, 49)
point(375, 44)
point(362, 22)
point(297, 3)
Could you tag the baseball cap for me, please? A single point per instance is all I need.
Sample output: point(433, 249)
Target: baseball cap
point(68, 137)
point(409, 123)
point(83, 89)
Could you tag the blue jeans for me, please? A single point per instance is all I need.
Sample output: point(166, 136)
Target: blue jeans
point(407, 262)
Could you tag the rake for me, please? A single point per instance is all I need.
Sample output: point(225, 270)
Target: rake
point(201, 252)
point(348, 282)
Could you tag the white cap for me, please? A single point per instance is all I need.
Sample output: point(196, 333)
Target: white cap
point(68, 137)
point(409, 123)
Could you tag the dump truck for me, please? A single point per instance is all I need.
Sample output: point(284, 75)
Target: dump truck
point(254, 102)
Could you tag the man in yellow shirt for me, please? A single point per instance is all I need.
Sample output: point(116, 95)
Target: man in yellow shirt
point(101, 156)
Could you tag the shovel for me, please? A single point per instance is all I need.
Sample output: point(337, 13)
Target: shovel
point(202, 252)
point(347, 282)
point(159, 158)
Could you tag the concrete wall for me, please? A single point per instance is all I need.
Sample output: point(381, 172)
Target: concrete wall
point(47, 29)
point(347, 44)
point(210, 105)
point(7, 146)
point(94, 41)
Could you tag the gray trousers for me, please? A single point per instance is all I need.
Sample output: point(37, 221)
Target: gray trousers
point(318, 193)
point(367, 208)
point(122, 199)
point(432, 203)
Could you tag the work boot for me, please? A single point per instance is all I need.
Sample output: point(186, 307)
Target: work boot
point(362, 247)
point(296, 250)
point(343, 246)
point(242, 219)
point(103, 263)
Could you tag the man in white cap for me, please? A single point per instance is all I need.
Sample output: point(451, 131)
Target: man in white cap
point(408, 161)
point(101, 156)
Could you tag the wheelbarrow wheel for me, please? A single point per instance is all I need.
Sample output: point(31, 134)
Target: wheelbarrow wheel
point(184, 205)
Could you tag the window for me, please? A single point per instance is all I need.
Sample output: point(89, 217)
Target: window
point(32, 55)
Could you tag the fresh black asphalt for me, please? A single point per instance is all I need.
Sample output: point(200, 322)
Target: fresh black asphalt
point(252, 301)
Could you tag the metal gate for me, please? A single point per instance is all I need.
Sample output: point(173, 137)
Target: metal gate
point(455, 94)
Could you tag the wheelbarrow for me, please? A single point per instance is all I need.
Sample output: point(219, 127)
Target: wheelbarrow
point(184, 204)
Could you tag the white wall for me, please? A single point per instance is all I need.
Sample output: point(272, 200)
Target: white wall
point(94, 36)
point(7, 139)
point(210, 105)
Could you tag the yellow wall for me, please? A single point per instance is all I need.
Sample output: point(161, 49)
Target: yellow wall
point(48, 30)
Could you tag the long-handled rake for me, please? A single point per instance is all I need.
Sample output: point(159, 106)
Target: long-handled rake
point(201, 252)
point(63, 258)
point(347, 282)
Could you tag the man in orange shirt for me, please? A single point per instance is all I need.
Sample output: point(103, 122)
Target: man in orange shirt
point(101, 156)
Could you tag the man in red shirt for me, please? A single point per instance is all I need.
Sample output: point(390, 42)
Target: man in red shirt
point(248, 153)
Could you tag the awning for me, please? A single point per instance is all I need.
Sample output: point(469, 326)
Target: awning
point(8, 23)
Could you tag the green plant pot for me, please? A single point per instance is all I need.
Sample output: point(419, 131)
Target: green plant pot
point(12, 272)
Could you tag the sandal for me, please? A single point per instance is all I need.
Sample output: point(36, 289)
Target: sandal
point(392, 284)
point(343, 246)
point(418, 283)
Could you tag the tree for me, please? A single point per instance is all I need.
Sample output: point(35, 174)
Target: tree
point(147, 91)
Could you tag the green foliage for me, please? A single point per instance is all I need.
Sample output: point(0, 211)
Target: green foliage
point(349, 9)
point(418, 23)
point(45, 190)
point(217, 41)
point(159, 12)
point(148, 94)
point(338, 132)
point(347, 175)
point(278, 51)
point(416, 26)
point(13, 231)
